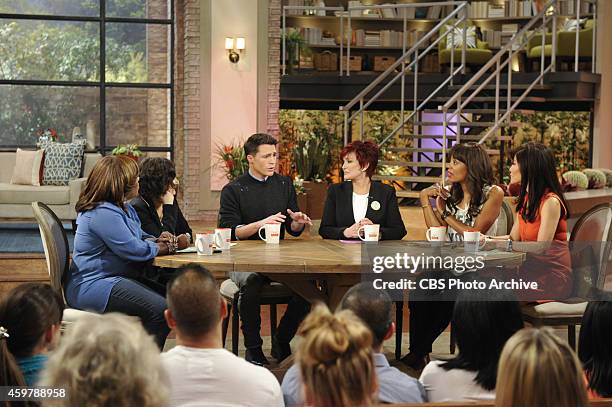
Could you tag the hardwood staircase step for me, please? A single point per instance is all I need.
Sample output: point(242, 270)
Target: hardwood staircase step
point(406, 178)
point(421, 164)
point(407, 194)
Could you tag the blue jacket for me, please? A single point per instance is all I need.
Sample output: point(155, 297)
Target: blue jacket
point(109, 246)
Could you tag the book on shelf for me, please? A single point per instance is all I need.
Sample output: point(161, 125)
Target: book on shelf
point(519, 8)
point(409, 11)
point(433, 13)
point(568, 7)
point(388, 12)
point(496, 11)
point(478, 9)
point(300, 3)
point(492, 37)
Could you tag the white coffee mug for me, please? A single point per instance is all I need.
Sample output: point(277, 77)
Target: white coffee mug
point(436, 234)
point(371, 233)
point(472, 241)
point(272, 233)
point(223, 238)
point(204, 243)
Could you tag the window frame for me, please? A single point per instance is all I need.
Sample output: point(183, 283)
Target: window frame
point(101, 83)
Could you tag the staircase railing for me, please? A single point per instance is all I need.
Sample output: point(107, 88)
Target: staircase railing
point(408, 61)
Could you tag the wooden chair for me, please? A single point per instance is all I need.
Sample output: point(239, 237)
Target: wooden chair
point(57, 254)
point(589, 262)
point(271, 294)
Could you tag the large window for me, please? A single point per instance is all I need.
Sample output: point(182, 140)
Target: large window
point(104, 66)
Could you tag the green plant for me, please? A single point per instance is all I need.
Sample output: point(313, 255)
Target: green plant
point(597, 179)
point(576, 180)
point(294, 43)
point(312, 158)
point(131, 150)
point(608, 174)
point(233, 160)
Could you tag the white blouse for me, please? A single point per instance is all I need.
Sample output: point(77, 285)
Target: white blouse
point(360, 206)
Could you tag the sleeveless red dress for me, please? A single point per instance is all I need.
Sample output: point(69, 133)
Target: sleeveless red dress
point(552, 269)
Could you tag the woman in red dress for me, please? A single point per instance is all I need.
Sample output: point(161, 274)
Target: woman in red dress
point(541, 217)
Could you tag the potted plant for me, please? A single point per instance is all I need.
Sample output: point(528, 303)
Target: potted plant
point(233, 160)
point(293, 43)
point(312, 160)
point(131, 150)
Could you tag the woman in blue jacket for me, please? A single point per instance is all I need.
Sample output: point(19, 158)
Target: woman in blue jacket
point(111, 250)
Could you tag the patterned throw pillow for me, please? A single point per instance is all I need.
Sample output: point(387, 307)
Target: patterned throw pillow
point(454, 39)
point(572, 24)
point(63, 162)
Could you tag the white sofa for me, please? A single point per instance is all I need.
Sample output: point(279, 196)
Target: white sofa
point(16, 200)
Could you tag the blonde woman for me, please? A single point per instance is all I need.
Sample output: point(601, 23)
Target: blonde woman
point(537, 368)
point(336, 360)
point(107, 360)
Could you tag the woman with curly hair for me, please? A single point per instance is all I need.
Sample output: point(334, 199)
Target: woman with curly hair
point(156, 205)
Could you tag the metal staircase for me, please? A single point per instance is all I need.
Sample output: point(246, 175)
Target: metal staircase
point(462, 108)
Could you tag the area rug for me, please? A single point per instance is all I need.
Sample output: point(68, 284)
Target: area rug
point(25, 238)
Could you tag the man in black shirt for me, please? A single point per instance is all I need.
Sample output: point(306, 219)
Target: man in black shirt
point(262, 196)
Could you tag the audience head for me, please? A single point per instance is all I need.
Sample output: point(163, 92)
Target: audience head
point(157, 176)
point(534, 167)
point(260, 151)
point(113, 179)
point(195, 307)
point(373, 307)
point(537, 368)
point(594, 347)
point(360, 159)
point(483, 320)
point(336, 360)
point(107, 360)
point(469, 164)
point(31, 316)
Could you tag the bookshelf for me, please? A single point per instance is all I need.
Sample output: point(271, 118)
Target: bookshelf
point(380, 33)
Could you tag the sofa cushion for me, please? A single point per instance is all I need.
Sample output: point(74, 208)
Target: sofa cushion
point(26, 194)
point(473, 56)
point(28, 165)
point(455, 37)
point(63, 162)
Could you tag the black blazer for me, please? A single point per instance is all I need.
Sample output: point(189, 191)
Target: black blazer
point(172, 221)
point(338, 212)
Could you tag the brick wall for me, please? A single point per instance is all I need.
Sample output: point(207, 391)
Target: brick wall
point(188, 140)
point(274, 68)
point(188, 92)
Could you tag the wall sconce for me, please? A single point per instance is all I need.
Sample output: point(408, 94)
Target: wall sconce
point(232, 45)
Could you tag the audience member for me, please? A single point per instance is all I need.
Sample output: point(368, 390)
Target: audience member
point(252, 200)
point(373, 308)
point(336, 360)
point(107, 360)
point(111, 250)
point(482, 322)
point(201, 371)
point(30, 320)
point(594, 346)
point(537, 368)
point(358, 201)
point(156, 204)
point(472, 203)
